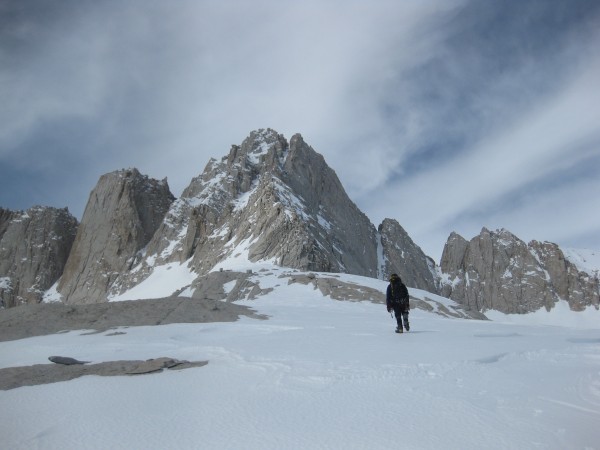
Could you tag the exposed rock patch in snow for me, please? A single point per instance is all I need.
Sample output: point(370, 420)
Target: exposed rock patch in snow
point(42, 319)
point(15, 377)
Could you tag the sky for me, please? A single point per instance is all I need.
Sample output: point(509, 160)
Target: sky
point(446, 115)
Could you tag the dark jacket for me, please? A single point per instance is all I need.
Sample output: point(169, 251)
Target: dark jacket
point(397, 296)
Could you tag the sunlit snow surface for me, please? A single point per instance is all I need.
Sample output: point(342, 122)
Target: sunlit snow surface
point(319, 374)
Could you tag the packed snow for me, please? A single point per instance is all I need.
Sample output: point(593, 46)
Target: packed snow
point(319, 374)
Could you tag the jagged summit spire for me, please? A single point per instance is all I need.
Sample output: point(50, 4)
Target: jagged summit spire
point(257, 143)
point(270, 199)
point(263, 147)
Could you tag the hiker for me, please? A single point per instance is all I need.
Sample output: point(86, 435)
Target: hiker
point(397, 299)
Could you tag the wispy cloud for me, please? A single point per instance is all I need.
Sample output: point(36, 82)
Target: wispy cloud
point(506, 103)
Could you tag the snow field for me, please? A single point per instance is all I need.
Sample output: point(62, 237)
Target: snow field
point(319, 374)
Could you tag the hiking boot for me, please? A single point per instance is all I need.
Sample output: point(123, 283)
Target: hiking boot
point(407, 326)
point(398, 330)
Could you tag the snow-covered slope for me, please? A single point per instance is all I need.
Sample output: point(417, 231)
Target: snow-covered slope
point(319, 373)
point(587, 261)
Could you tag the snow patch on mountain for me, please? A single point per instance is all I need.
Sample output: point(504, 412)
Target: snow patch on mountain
point(164, 281)
point(587, 261)
point(5, 283)
point(52, 295)
point(241, 202)
point(381, 259)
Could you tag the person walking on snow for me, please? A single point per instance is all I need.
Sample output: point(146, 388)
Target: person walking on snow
point(397, 299)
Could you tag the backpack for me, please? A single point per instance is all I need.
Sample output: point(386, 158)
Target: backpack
point(399, 293)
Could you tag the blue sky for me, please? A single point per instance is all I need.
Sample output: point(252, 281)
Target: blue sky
point(447, 115)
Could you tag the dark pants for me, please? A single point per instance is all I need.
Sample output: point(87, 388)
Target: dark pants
point(401, 314)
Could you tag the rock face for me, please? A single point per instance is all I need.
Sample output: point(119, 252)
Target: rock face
point(266, 200)
point(34, 246)
point(496, 270)
point(399, 254)
point(273, 200)
point(123, 212)
point(569, 283)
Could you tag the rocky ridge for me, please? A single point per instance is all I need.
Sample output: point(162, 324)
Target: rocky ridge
point(497, 270)
point(268, 200)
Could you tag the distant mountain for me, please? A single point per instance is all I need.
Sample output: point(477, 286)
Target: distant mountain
point(266, 200)
point(273, 200)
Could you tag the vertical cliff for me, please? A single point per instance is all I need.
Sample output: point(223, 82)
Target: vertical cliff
point(34, 247)
point(123, 212)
